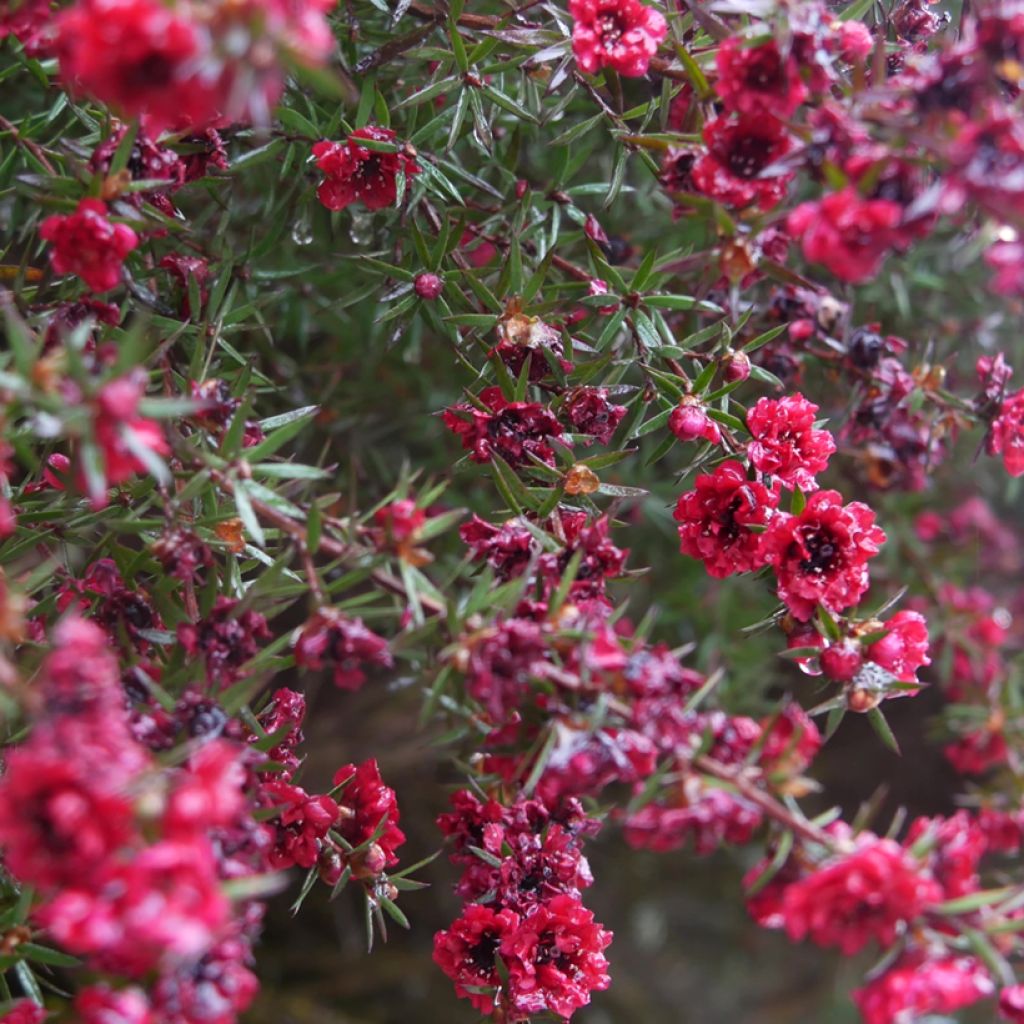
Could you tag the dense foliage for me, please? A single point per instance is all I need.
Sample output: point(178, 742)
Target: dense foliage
point(630, 385)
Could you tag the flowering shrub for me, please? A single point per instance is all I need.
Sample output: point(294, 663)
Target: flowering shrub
point(629, 386)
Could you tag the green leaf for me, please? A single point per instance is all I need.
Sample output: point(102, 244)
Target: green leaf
point(884, 730)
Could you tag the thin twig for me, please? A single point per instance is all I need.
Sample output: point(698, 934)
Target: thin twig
point(33, 147)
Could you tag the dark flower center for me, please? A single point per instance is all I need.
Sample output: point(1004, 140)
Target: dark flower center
point(481, 956)
point(611, 30)
point(822, 553)
point(748, 155)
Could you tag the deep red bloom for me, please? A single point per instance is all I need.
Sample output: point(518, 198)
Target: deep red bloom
point(344, 645)
point(467, 950)
point(396, 525)
point(690, 421)
point(284, 715)
point(821, 554)
point(555, 958)
point(904, 649)
point(209, 792)
point(186, 269)
point(353, 173)
point(86, 243)
point(758, 79)
point(161, 906)
point(953, 848)
point(740, 150)
point(589, 412)
point(99, 1004)
point(1006, 435)
point(507, 548)
point(225, 640)
point(366, 802)
point(977, 752)
point(600, 558)
point(785, 442)
point(513, 430)
point(715, 519)
point(619, 34)
point(915, 987)
point(301, 825)
point(791, 740)
point(24, 1011)
point(1011, 1003)
point(214, 990)
point(869, 893)
point(31, 22)
point(135, 56)
point(845, 233)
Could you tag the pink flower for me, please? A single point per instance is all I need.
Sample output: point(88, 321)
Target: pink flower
point(758, 79)
point(331, 639)
point(24, 1011)
point(99, 1004)
point(620, 34)
point(821, 554)
point(845, 233)
point(870, 893)
point(690, 422)
point(209, 792)
point(735, 168)
point(86, 243)
point(301, 824)
point(355, 173)
point(904, 649)
point(1011, 1003)
point(715, 520)
point(1006, 435)
point(915, 987)
point(366, 804)
point(786, 443)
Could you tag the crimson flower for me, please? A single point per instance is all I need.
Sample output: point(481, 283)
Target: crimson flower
point(904, 648)
point(870, 893)
point(620, 34)
point(345, 645)
point(100, 1004)
point(86, 243)
point(846, 233)
point(225, 639)
point(590, 412)
point(507, 548)
point(513, 430)
point(301, 824)
point(758, 79)
point(367, 804)
point(715, 520)
point(354, 173)
point(785, 442)
point(1006, 435)
point(740, 151)
point(916, 986)
point(821, 554)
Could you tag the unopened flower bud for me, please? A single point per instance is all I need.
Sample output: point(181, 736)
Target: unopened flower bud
point(428, 286)
point(735, 366)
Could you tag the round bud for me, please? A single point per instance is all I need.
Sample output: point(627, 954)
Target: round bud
point(735, 366)
point(428, 286)
point(841, 661)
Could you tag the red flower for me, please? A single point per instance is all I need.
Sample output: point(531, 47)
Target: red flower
point(870, 893)
point(845, 233)
point(507, 548)
point(136, 56)
point(24, 1011)
point(209, 793)
point(99, 1004)
point(600, 560)
point(953, 847)
point(162, 906)
point(87, 244)
point(301, 825)
point(1006, 435)
point(555, 958)
point(31, 22)
point(977, 752)
point(225, 640)
point(213, 991)
point(785, 442)
point(915, 987)
point(345, 645)
point(513, 430)
point(590, 412)
point(62, 818)
point(715, 519)
point(758, 79)
point(466, 952)
point(367, 803)
point(739, 152)
point(1011, 1003)
point(690, 421)
point(821, 554)
point(904, 649)
point(354, 173)
point(620, 34)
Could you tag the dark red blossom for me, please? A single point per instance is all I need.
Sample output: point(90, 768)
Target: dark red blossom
point(1006, 435)
point(225, 639)
point(333, 640)
point(369, 807)
point(514, 430)
point(846, 233)
point(736, 169)
point(100, 1004)
point(821, 555)
point(214, 990)
point(507, 548)
point(600, 559)
point(354, 173)
point(952, 848)
point(147, 160)
point(904, 648)
point(786, 443)
point(716, 517)
point(872, 892)
point(620, 34)
point(86, 243)
point(301, 823)
point(1011, 1003)
point(758, 79)
point(589, 412)
point(917, 986)
point(24, 1011)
